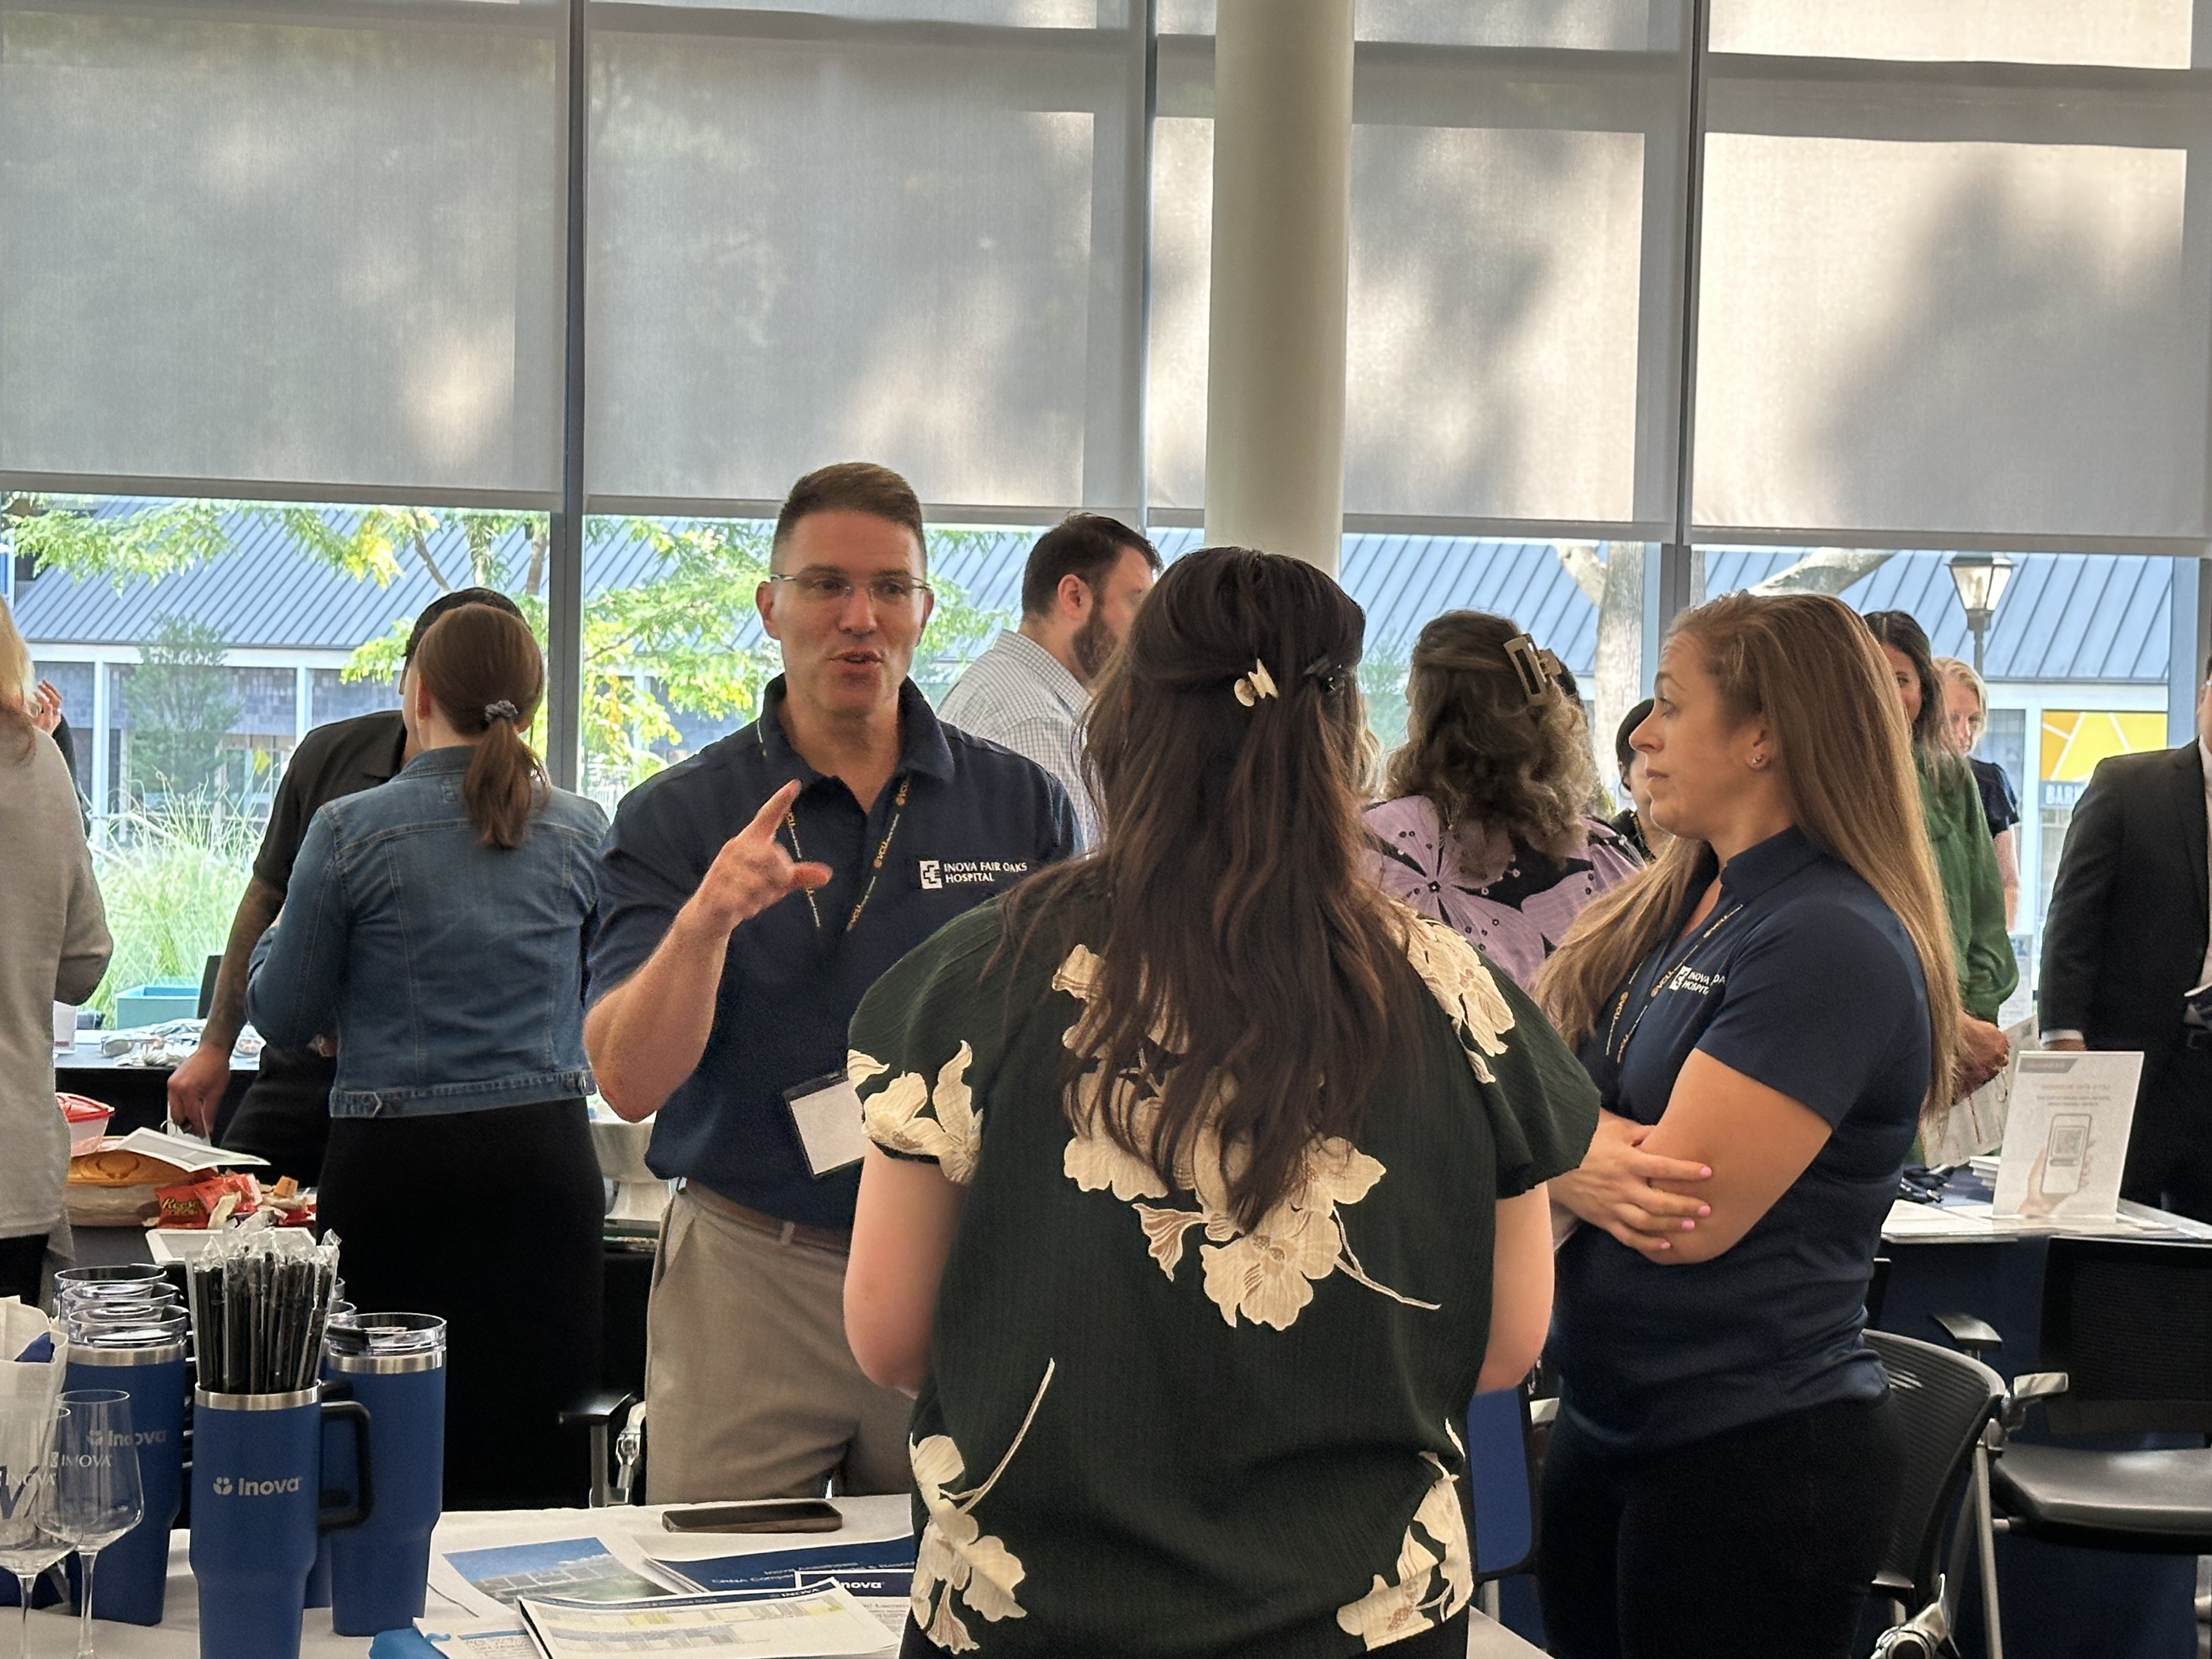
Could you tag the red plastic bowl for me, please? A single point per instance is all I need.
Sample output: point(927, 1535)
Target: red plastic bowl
point(87, 1123)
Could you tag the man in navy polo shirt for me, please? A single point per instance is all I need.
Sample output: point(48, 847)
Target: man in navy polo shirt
point(747, 898)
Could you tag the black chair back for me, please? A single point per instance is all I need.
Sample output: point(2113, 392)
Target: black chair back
point(1944, 1400)
point(2129, 1322)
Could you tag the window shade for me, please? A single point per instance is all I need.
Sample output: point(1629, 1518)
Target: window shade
point(326, 251)
point(1508, 336)
point(2144, 34)
point(1930, 337)
point(805, 252)
point(1604, 25)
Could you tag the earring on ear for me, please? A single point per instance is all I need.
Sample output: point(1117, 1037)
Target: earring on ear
point(1759, 760)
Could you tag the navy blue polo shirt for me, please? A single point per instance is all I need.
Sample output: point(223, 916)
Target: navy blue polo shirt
point(1803, 980)
point(977, 819)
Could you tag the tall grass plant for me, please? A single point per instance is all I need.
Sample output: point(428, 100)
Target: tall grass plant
point(171, 880)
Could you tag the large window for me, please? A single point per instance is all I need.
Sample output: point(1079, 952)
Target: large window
point(195, 644)
point(674, 655)
point(1923, 275)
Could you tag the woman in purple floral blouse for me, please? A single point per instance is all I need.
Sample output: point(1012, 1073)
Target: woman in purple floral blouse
point(1486, 827)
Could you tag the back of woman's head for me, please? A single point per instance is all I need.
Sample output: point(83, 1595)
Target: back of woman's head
point(1492, 738)
point(1225, 741)
point(1806, 665)
point(1897, 630)
point(485, 672)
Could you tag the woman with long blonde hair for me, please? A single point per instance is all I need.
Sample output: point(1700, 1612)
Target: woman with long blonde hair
point(1767, 1013)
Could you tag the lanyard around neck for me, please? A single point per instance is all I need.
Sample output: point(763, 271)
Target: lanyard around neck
point(875, 867)
point(1616, 1040)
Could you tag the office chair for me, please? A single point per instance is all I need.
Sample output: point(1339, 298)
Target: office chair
point(1502, 1467)
point(2127, 1335)
point(1946, 1403)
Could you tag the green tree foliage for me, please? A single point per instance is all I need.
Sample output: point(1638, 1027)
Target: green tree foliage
point(180, 706)
point(683, 639)
point(1383, 681)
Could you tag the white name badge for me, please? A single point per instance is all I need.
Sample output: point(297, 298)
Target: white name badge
point(827, 1113)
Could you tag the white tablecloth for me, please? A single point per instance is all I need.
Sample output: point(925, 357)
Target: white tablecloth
point(53, 1631)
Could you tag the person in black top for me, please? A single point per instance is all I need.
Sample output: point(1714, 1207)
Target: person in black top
point(285, 1115)
point(748, 898)
point(1633, 822)
point(1767, 1014)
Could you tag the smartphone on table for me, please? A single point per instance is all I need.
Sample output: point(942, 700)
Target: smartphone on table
point(771, 1514)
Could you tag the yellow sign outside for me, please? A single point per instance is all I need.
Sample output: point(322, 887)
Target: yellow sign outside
point(2075, 739)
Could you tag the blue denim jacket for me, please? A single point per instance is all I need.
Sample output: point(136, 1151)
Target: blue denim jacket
point(450, 973)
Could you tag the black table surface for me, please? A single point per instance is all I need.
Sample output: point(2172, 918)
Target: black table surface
point(139, 1094)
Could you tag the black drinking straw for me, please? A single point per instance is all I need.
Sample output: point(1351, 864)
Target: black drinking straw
point(259, 1309)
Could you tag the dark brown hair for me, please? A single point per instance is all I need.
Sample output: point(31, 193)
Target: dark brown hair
point(453, 601)
point(1805, 664)
point(1484, 752)
point(1085, 545)
point(1898, 630)
point(486, 674)
point(1242, 933)
point(851, 487)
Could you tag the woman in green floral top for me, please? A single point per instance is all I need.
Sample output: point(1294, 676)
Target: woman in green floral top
point(1208, 1186)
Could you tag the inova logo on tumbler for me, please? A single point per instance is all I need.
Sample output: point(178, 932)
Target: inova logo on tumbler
point(226, 1487)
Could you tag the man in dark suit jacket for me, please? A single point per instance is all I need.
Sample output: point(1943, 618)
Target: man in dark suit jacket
point(2125, 942)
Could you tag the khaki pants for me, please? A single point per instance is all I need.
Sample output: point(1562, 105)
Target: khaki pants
point(751, 1390)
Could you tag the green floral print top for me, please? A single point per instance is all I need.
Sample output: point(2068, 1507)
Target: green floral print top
point(1146, 1430)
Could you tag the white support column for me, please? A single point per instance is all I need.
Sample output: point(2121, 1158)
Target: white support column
point(1282, 210)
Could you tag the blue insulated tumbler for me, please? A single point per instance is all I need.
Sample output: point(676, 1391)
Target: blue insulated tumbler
point(394, 1364)
point(134, 1570)
point(257, 1490)
point(337, 1466)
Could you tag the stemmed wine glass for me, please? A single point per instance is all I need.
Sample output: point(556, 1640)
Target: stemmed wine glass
point(96, 1495)
point(28, 1542)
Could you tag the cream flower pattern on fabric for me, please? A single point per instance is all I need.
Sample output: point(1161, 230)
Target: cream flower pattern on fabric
point(1265, 1276)
point(1434, 1576)
point(956, 1562)
point(952, 1133)
point(1460, 981)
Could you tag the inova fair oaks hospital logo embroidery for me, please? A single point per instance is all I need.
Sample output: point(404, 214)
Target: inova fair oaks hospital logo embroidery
point(935, 874)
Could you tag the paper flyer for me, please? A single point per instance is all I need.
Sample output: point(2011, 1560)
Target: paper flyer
point(2066, 1136)
point(796, 1624)
point(489, 1581)
point(1976, 1124)
point(880, 1575)
point(871, 1569)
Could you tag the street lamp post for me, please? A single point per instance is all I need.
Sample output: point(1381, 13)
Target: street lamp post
point(1980, 578)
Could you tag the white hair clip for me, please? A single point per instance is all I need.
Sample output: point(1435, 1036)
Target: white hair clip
point(1250, 688)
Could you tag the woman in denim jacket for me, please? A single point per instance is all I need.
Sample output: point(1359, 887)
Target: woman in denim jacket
point(434, 932)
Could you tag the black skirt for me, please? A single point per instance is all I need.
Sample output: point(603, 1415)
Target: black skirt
point(491, 1220)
